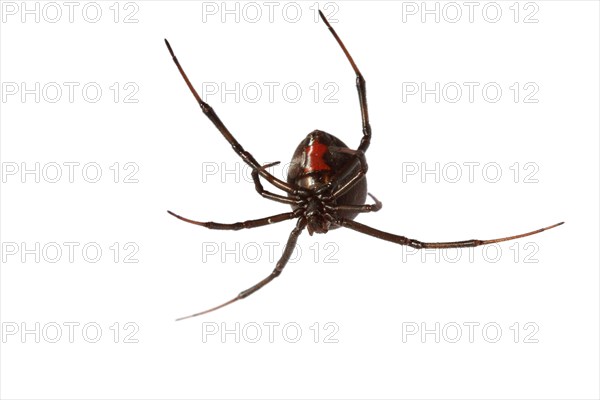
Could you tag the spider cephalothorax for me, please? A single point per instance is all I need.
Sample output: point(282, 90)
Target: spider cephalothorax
point(326, 185)
point(317, 217)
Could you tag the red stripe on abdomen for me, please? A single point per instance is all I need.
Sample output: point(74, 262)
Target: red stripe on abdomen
point(315, 160)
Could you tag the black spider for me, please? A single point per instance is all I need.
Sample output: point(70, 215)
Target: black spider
point(326, 185)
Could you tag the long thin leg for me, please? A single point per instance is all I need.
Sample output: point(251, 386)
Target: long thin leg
point(360, 86)
point(268, 195)
point(347, 186)
point(236, 226)
point(209, 112)
point(390, 237)
point(287, 253)
point(343, 175)
point(366, 126)
point(364, 208)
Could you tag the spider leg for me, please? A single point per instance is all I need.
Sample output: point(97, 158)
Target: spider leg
point(366, 126)
point(287, 253)
point(268, 195)
point(237, 147)
point(360, 208)
point(236, 226)
point(346, 172)
point(404, 241)
point(361, 88)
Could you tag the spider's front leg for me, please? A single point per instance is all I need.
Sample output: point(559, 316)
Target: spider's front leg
point(237, 147)
point(359, 154)
point(360, 87)
point(287, 253)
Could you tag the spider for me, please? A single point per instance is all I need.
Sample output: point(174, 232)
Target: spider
point(326, 186)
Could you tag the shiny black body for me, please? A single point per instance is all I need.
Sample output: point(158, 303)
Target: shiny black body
point(307, 170)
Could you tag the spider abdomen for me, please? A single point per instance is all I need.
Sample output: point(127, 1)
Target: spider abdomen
point(315, 163)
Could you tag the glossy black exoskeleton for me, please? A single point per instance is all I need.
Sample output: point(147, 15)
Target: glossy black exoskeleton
point(314, 167)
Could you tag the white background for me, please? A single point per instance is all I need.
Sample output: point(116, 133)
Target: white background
point(375, 289)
